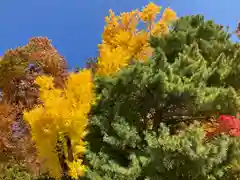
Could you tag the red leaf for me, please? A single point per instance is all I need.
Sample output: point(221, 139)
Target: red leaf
point(229, 124)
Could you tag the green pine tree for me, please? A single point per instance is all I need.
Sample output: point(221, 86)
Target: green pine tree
point(192, 75)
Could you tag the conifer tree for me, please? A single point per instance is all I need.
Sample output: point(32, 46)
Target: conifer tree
point(191, 76)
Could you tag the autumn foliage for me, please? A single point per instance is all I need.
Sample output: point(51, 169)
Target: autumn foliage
point(224, 124)
point(62, 126)
point(19, 69)
point(144, 108)
point(123, 42)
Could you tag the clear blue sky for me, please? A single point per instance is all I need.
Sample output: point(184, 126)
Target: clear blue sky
point(75, 26)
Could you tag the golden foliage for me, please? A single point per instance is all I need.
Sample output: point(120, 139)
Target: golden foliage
point(149, 12)
point(122, 42)
point(210, 128)
point(64, 114)
point(169, 15)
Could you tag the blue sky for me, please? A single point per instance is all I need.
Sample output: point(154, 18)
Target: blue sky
point(75, 26)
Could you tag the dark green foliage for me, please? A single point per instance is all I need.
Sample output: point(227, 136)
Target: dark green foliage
point(187, 155)
point(192, 75)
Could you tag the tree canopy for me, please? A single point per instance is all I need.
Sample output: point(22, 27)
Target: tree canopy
point(160, 101)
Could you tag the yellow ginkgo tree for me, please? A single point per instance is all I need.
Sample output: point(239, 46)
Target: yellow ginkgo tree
point(58, 125)
point(123, 42)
